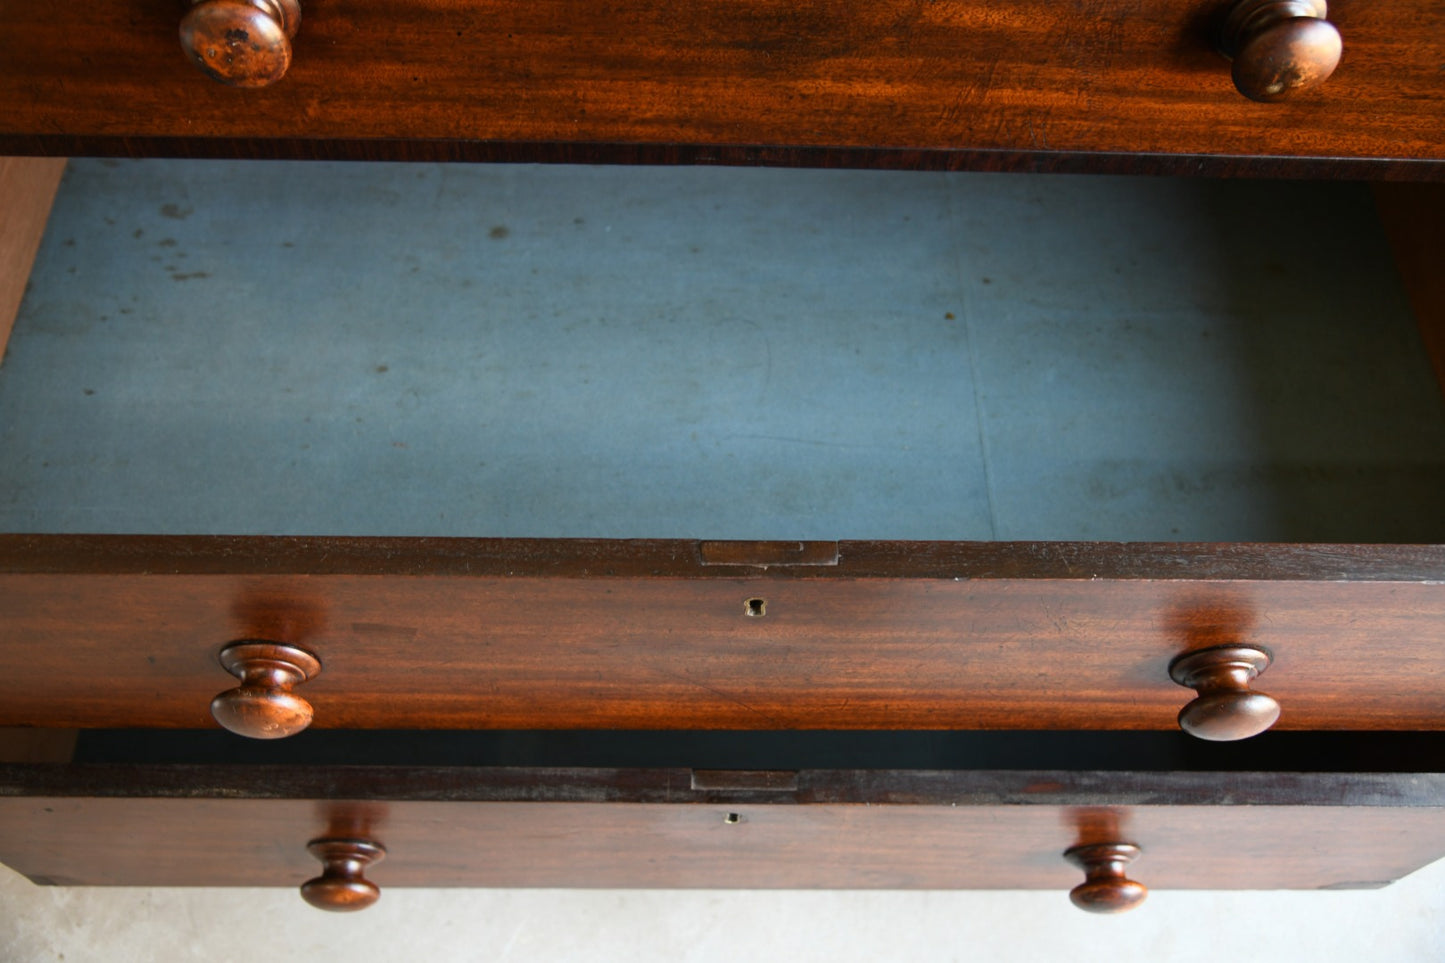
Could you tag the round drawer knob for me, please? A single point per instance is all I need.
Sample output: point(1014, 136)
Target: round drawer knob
point(1227, 709)
point(1280, 46)
point(342, 886)
point(241, 43)
point(1105, 888)
point(263, 705)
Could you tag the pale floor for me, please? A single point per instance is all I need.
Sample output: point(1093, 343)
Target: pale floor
point(1403, 923)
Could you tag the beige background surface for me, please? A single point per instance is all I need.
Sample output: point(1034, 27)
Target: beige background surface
point(1403, 922)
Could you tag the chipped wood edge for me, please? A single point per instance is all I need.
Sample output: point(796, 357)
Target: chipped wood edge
point(1413, 216)
point(27, 189)
point(37, 745)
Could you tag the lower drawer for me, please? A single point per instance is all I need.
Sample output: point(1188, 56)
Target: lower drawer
point(209, 825)
point(742, 810)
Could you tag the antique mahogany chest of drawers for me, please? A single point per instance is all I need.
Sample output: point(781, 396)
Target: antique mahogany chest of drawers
point(733, 712)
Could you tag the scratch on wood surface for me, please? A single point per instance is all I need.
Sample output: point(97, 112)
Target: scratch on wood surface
point(725, 696)
point(1039, 132)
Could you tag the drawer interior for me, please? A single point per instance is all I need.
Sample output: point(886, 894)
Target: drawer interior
point(509, 351)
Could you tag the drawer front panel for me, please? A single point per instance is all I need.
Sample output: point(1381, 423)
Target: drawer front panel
point(1031, 77)
point(117, 632)
point(718, 843)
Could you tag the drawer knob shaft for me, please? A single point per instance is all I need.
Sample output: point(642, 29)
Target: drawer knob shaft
point(342, 886)
point(263, 705)
point(1105, 888)
point(1280, 46)
point(1227, 708)
point(241, 43)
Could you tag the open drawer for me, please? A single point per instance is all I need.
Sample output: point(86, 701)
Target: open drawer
point(733, 450)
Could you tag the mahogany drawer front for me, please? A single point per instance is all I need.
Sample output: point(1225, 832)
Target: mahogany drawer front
point(887, 82)
point(555, 634)
point(650, 828)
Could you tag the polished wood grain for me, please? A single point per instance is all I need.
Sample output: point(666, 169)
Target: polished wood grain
point(975, 81)
point(438, 633)
point(862, 829)
point(27, 188)
point(1414, 220)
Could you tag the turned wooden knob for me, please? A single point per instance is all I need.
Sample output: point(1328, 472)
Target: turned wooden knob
point(1105, 888)
point(1227, 708)
point(1280, 46)
point(241, 43)
point(342, 886)
point(263, 705)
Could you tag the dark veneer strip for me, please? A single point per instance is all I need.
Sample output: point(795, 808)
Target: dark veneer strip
point(1270, 167)
point(815, 787)
point(678, 558)
point(778, 751)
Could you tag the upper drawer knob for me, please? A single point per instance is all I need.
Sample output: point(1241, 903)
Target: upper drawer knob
point(263, 705)
point(1227, 709)
point(1106, 889)
point(342, 886)
point(1280, 46)
point(242, 43)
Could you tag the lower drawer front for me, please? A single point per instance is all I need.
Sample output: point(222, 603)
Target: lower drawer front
point(833, 830)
